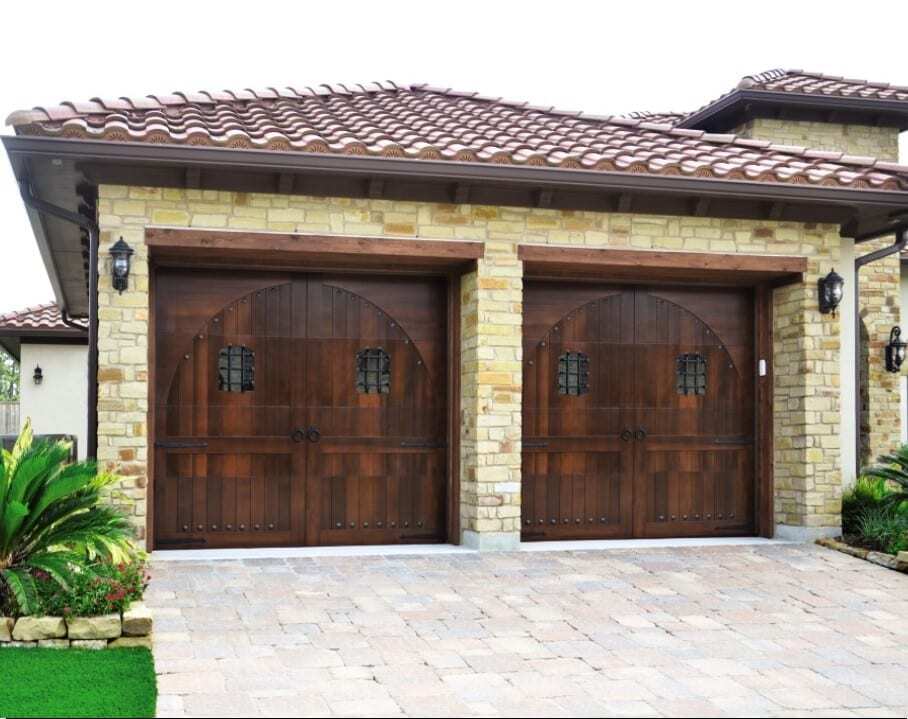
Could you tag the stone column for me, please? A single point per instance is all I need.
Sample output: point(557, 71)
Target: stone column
point(808, 476)
point(123, 351)
point(491, 375)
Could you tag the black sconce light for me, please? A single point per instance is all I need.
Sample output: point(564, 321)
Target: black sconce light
point(120, 254)
point(38, 376)
point(832, 289)
point(895, 351)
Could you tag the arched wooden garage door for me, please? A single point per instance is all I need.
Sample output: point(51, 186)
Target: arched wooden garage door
point(638, 414)
point(299, 409)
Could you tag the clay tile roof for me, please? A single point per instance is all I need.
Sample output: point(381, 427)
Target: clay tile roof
point(667, 118)
point(40, 317)
point(421, 122)
point(813, 83)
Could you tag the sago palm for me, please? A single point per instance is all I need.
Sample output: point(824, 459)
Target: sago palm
point(51, 518)
point(894, 469)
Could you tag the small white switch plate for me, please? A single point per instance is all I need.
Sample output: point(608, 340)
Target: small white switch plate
point(762, 367)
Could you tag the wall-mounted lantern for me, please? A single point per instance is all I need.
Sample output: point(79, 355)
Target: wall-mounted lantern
point(832, 289)
point(895, 351)
point(120, 254)
point(38, 375)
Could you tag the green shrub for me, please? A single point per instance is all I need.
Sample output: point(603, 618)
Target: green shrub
point(893, 469)
point(102, 589)
point(884, 529)
point(867, 493)
point(52, 520)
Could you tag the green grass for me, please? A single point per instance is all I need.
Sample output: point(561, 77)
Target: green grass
point(76, 683)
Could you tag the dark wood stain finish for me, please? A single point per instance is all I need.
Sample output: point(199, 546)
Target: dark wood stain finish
point(633, 457)
point(303, 458)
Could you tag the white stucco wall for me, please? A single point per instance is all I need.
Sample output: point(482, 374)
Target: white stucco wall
point(58, 404)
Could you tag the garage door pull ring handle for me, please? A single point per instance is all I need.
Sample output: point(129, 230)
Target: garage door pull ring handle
point(313, 435)
point(641, 434)
point(627, 435)
point(298, 435)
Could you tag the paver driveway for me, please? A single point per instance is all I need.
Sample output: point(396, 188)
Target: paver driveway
point(768, 630)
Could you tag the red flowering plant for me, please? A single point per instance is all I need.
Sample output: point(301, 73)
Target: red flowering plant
point(102, 588)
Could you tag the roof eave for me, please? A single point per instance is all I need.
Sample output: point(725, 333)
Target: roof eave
point(755, 102)
point(444, 170)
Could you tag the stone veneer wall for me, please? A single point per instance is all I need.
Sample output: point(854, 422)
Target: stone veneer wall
point(808, 477)
point(865, 140)
point(880, 282)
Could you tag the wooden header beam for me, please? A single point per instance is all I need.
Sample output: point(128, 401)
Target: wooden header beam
point(661, 265)
point(214, 248)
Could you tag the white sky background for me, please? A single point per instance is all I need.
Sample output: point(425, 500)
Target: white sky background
point(600, 57)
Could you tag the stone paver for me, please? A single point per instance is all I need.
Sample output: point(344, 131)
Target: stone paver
point(774, 630)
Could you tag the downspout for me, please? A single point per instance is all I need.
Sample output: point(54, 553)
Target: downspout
point(901, 242)
point(46, 208)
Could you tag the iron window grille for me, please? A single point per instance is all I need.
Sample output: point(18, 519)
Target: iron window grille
point(691, 374)
point(373, 371)
point(236, 369)
point(573, 374)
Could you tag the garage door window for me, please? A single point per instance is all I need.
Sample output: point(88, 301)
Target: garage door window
point(373, 371)
point(573, 374)
point(236, 369)
point(691, 374)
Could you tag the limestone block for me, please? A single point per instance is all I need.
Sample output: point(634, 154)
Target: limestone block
point(88, 644)
point(137, 620)
point(106, 626)
point(29, 629)
point(130, 642)
point(6, 629)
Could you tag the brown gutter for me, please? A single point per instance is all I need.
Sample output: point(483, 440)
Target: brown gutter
point(42, 207)
point(130, 153)
point(901, 242)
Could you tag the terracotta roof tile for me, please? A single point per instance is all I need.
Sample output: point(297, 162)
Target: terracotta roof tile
point(40, 317)
point(813, 83)
point(382, 119)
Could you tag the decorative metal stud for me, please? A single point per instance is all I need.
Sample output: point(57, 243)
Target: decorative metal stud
point(185, 527)
point(271, 525)
point(365, 525)
point(242, 527)
point(258, 526)
point(200, 527)
point(352, 525)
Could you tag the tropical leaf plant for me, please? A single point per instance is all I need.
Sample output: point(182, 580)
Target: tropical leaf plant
point(52, 520)
point(893, 468)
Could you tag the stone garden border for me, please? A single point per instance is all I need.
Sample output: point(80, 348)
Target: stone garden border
point(898, 563)
point(132, 628)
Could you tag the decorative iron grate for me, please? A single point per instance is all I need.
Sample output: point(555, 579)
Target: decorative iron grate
point(690, 371)
point(236, 369)
point(373, 371)
point(573, 374)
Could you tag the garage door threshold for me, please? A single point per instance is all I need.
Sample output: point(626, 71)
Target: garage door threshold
point(398, 550)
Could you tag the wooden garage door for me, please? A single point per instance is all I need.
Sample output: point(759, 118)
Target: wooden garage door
point(299, 410)
point(638, 414)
